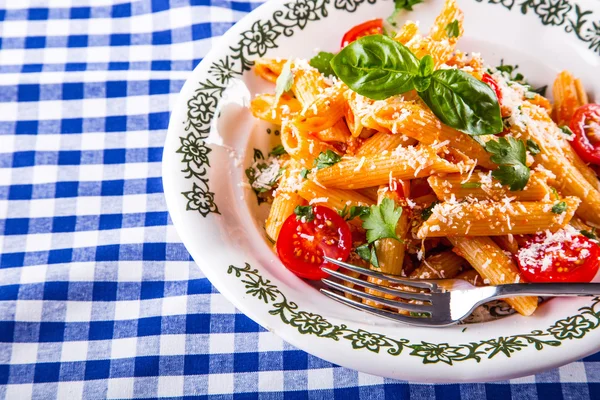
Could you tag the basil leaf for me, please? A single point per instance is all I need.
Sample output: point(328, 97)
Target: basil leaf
point(422, 83)
point(376, 66)
point(322, 62)
point(463, 102)
point(426, 66)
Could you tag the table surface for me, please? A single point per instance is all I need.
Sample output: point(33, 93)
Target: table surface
point(98, 296)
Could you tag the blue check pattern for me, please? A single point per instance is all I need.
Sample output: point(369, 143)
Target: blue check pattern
point(98, 296)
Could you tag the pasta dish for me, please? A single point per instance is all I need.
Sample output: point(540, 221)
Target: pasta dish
point(403, 154)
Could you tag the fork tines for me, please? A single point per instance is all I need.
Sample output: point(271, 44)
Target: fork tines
point(419, 307)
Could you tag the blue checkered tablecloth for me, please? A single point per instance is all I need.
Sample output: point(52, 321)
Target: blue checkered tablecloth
point(98, 296)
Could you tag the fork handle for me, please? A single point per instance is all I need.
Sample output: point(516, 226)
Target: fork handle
point(548, 289)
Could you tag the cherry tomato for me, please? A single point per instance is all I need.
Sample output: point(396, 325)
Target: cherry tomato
point(372, 27)
point(491, 82)
point(574, 260)
point(302, 245)
point(585, 124)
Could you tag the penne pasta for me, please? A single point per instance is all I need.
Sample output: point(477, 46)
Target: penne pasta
point(481, 185)
point(382, 141)
point(284, 202)
point(568, 96)
point(471, 276)
point(402, 163)
point(323, 112)
point(417, 122)
point(444, 265)
point(495, 267)
point(488, 218)
point(333, 198)
point(301, 146)
point(263, 107)
point(269, 68)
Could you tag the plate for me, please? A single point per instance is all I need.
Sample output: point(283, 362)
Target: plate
point(212, 138)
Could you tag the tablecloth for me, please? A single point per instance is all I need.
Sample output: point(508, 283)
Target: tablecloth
point(98, 296)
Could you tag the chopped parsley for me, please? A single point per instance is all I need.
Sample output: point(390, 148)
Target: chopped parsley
point(566, 130)
point(322, 62)
point(510, 155)
point(305, 213)
point(559, 207)
point(353, 212)
point(470, 185)
point(510, 73)
point(278, 151)
point(426, 213)
point(400, 5)
point(263, 175)
point(453, 29)
point(304, 173)
point(368, 253)
point(381, 221)
point(533, 147)
point(284, 82)
point(327, 159)
point(589, 235)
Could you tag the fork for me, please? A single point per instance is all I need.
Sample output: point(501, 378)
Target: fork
point(438, 303)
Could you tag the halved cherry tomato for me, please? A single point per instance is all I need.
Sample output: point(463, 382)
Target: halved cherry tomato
point(491, 82)
point(372, 27)
point(575, 260)
point(302, 245)
point(585, 124)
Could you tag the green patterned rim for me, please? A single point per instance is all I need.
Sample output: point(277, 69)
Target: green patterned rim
point(254, 43)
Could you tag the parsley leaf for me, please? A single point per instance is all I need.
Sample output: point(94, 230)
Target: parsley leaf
point(566, 130)
point(555, 193)
point(322, 62)
point(426, 213)
point(590, 235)
point(278, 151)
point(453, 29)
point(353, 212)
point(533, 147)
point(559, 208)
point(285, 80)
point(510, 155)
point(305, 212)
point(402, 5)
point(304, 173)
point(327, 159)
point(470, 185)
point(368, 253)
point(381, 221)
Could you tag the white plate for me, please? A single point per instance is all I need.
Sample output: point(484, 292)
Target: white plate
point(221, 224)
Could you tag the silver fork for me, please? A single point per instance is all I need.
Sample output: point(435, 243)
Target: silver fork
point(439, 303)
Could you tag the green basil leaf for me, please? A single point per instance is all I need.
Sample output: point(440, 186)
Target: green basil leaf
point(426, 66)
point(463, 102)
point(376, 66)
point(322, 62)
point(422, 83)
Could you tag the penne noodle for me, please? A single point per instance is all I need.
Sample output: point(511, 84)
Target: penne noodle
point(408, 31)
point(482, 186)
point(370, 192)
point(402, 163)
point(308, 83)
point(449, 14)
point(269, 68)
point(419, 123)
point(284, 202)
point(333, 198)
point(487, 218)
point(262, 107)
point(471, 276)
point(568, 96)
point(382, 141)
point(506, 243)
point(444, 265)
point(327, 109)
point(337, 133)
point(301, 146)
point(494, 266)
